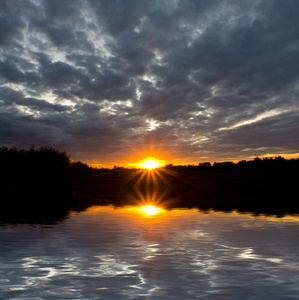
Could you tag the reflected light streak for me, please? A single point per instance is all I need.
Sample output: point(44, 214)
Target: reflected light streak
point(147, 211)
point(150, 210)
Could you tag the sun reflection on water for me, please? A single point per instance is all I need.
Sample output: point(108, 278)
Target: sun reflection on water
point(148, 210)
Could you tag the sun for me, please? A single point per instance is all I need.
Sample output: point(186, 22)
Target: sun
point(150, 164)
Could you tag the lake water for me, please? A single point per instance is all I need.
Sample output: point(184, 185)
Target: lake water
point(130, 253)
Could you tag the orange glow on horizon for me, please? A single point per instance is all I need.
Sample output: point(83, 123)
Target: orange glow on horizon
point(129, 163)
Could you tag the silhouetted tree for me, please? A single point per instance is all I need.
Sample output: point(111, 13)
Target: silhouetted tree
point(169, 166)
point(80, 168)
point(204, 165)
point(34, 168)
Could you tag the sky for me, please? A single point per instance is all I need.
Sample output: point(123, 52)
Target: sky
point(112, 82)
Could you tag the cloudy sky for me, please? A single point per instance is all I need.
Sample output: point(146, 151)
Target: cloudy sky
point(112, 81)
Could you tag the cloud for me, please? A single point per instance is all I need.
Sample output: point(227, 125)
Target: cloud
point(102, 79)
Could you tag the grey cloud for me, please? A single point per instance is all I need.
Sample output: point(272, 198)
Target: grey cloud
point(118, 16)
point(278, 132)
point(62, 11)
point(10, 31)
point(194, 67)
point(60, 74)
point(25, 131)
point(133, 49)
point(10, 72)
point(11, 97)
point(109, 85)
point(61, 35)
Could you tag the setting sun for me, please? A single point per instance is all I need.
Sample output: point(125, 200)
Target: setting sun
point(150, 164)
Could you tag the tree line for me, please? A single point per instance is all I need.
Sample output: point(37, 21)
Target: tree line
point(49, 167)
point(38, 168)
point(266, 164)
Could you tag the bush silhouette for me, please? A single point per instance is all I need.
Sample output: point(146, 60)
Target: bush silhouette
point(34, 168)
point(81, 169)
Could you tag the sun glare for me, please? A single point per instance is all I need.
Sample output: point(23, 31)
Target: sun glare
point(150, 164)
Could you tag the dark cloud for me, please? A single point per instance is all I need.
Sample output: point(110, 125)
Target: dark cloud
point(62, 11)
point(10, 72)
point(10, 31)
point(12, 97)
point(206, 80)
point(116, 16)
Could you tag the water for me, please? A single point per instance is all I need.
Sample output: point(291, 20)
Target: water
point(127, 253)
